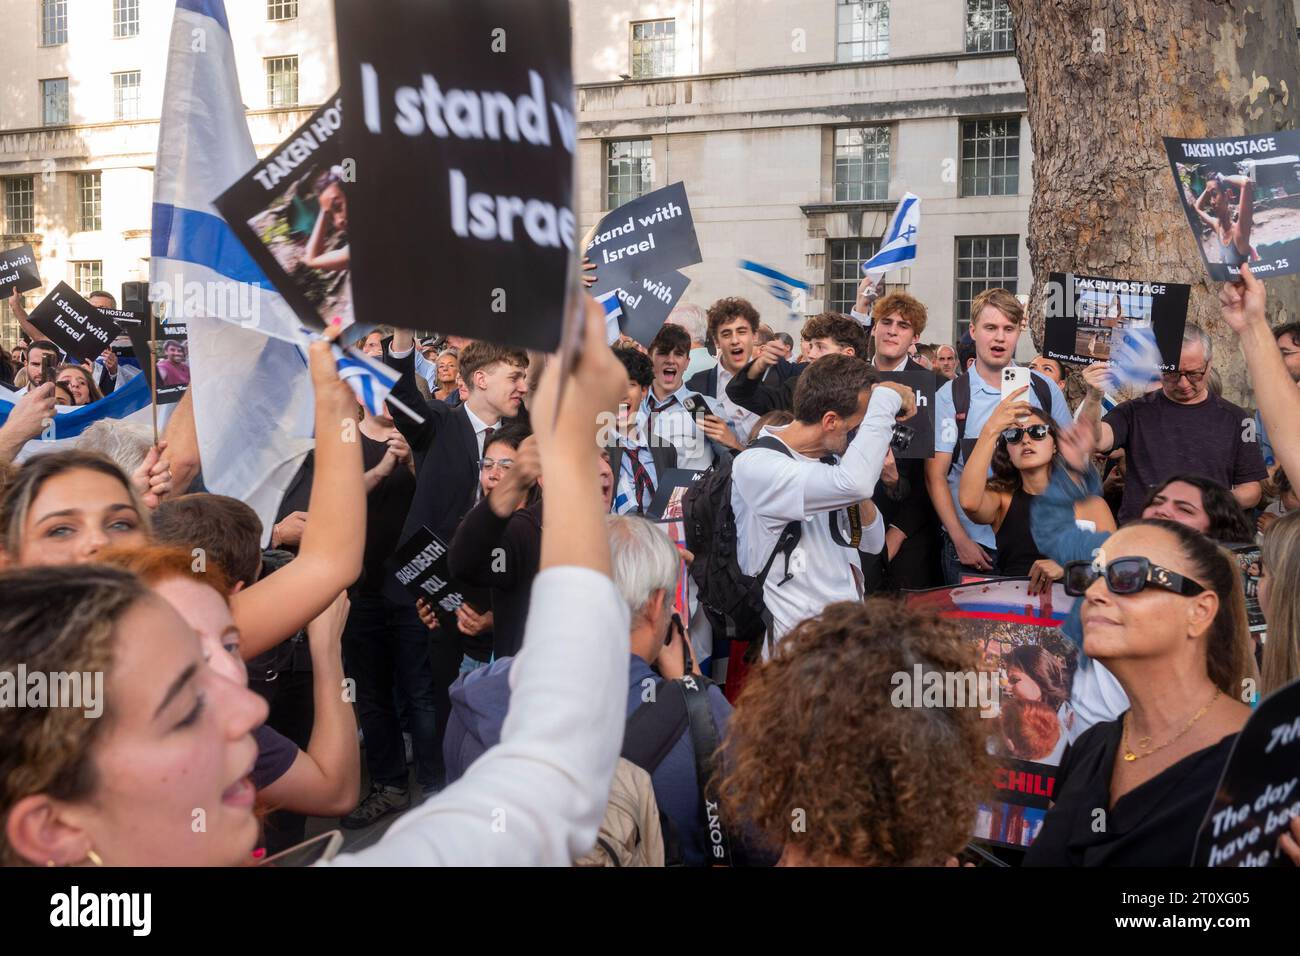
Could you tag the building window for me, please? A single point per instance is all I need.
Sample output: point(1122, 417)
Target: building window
point(54, 22)
point(862, 30)
point(126, 18)
point(654, 48)
point(861, 164)
point(281, 9)
point(628, 171)
point(20, 205)
point(988, 27)
point(281, 81)
point(89, 217)
point(844, 271)
point(990, 157)
point(126, 95)
point(54, 102)
point(87, 276)
point(984, 262)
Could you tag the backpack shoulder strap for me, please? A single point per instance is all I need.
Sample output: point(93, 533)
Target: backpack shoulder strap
point(653, 729)
point(704, 741)
point(961, 409)
point(790, 535)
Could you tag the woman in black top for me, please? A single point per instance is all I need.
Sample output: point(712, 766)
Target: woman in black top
point(1019, 443)
point(1134, 791)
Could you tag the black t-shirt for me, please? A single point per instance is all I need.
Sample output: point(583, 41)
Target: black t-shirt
point(1162, 438)
point(1154, 824)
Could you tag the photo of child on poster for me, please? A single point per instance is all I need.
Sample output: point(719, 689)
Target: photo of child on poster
point(1242, 199)
point(291, 213)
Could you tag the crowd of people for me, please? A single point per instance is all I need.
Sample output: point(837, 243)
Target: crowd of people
point(607, 692)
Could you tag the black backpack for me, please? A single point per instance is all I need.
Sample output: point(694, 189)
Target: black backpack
point(710, 525)
point(961, 407)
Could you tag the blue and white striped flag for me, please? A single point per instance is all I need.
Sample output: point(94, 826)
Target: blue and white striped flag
point(130, 404)
point(1135, 358)
point(613, 312)
point(899, 246)
point(372, 381)
point(243, 335)
point(780, 286)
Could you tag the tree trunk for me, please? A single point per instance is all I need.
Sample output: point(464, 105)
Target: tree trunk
point(1105, 80)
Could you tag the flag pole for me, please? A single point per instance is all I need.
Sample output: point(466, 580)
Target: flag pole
point(153, 373)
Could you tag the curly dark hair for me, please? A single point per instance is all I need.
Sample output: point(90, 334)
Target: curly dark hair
point(1228, 522)
point(1006, 476)
point(840, 329)
point(639, 369)
point(815, 737)
point(727, 310)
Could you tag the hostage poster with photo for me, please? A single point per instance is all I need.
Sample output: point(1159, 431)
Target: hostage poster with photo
point(1026, 669)
point(1241, 195)
point(1087, 316)
point(170, 354)
point(1259, 792)
point(291, 214)
point(460, 117)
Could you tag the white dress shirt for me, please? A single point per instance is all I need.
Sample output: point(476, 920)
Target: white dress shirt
point(742, 420)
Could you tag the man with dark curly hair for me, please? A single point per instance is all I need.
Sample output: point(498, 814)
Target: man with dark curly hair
point(909, 795)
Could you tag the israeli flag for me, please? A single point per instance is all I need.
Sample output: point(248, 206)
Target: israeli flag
point(253, 402)
point(899, 246)
point(371, 381)
point(1135, 359)
point(613, 311)
point(780, 286)
point(130, 404)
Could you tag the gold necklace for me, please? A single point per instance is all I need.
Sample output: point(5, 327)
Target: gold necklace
point(1146, 741)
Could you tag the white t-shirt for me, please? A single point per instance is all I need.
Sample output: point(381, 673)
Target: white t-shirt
point(769, 490)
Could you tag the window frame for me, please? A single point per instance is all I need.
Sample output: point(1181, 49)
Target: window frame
point(54, 13)
point(119, 115)
point(1013, 132)
point(648, 159)
point(867, 43)
point(880, 188)
point(633, 57)
point(90, 211)
point(273, 5)
point(30, 222)
point(119, 23)
point(829, 301)
point(997, 9)
point(67, 101)
point(960, 324)
point(270, 81)
point(96, 273)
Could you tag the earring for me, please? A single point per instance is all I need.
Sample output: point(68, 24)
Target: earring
point(94, 857)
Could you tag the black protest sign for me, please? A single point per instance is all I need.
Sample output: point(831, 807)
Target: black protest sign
point(73, 324)
point(290, 213)
point(18, 271)
point(133, 342)
point(1259, 792)
point(1241, 195)
point(460, 117)
point(420, 566)
point(646, 302)
point(1086, 316)
point(649, 236)
point(923, 384)
point(170, 354)
point(672, 488)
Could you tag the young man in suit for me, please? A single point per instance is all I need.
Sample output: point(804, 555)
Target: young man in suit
point(448, 448)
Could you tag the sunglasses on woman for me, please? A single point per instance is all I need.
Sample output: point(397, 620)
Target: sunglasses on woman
point(1015, 434)
point(1127, 576)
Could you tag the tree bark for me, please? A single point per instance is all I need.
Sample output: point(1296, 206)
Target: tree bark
point(1105, 80)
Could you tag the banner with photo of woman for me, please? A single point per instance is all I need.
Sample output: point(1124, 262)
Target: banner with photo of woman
point(290, 213)
point(1028, 664)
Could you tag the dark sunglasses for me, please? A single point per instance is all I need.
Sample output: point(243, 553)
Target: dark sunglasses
point(1013, 435)
point(1127, 576)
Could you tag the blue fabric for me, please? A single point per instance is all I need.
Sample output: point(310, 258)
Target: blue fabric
point(983, 399)
point(1051, 518)
point(216, 9)
point(1265, 446)
point(479, 701)
point(187, 235)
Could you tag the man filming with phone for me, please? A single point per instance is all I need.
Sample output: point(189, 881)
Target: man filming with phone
point(961, 408)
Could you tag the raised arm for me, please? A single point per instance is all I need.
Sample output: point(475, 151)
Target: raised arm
point(329, 557)
point(538, 796)
point(854, 478)
point(325, 779)
point(28, 419)
point(1052, 514)
point(1242, 307)
point(981, 505)
point(401, 356)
